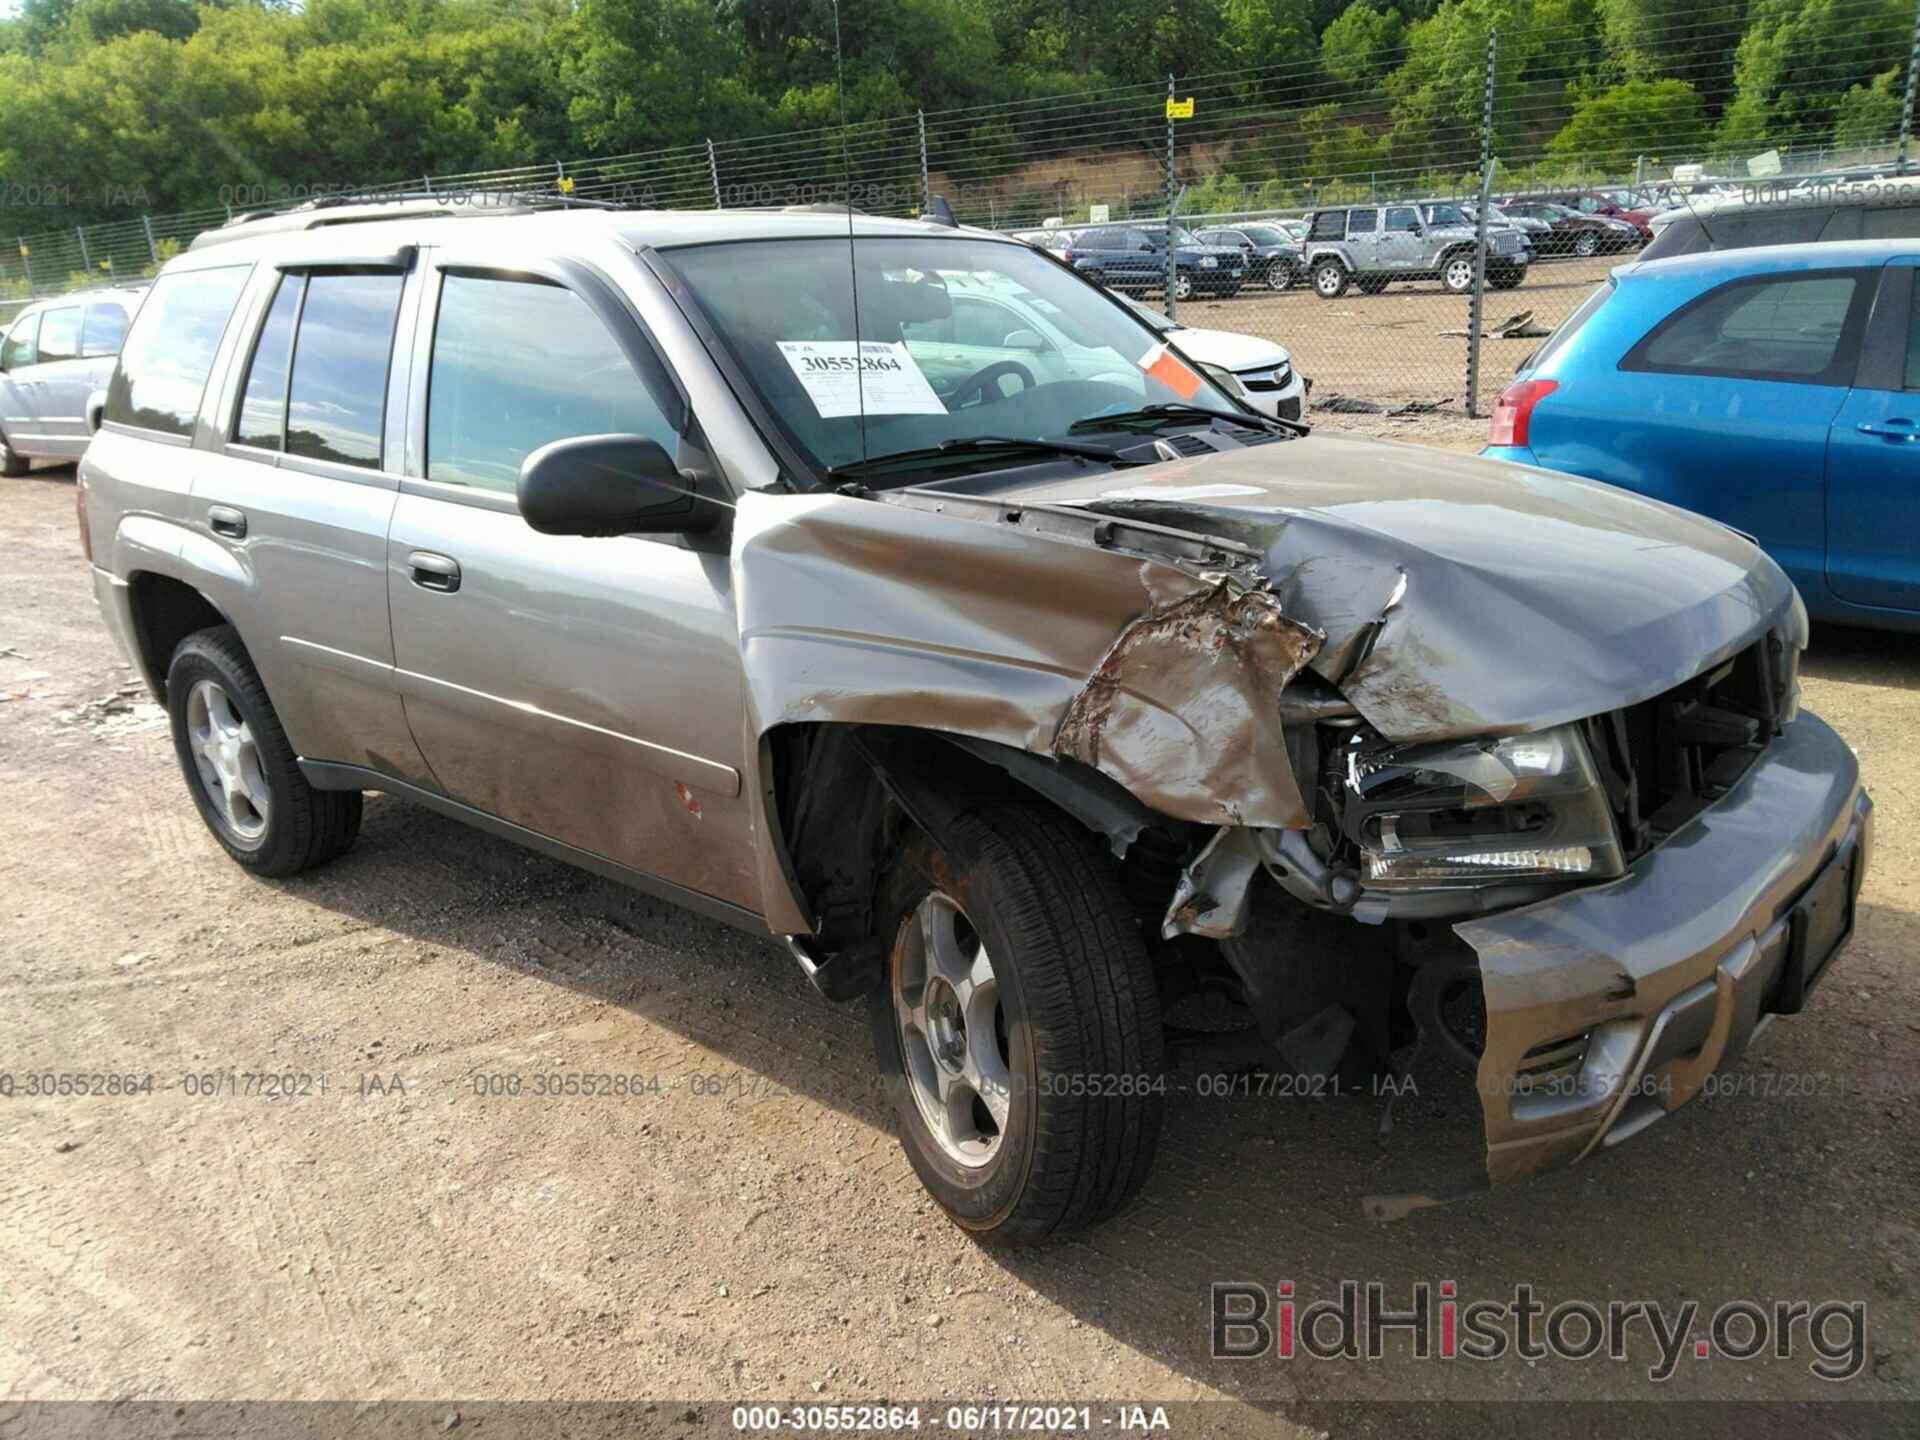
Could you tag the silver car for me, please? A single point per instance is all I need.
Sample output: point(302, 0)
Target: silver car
point(1373, 246)
point(1020, 690)
point(56, 356)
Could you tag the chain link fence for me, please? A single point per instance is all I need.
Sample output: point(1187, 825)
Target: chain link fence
point(1403, 136)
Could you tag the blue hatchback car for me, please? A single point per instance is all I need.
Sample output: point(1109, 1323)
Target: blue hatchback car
point(1776, 390)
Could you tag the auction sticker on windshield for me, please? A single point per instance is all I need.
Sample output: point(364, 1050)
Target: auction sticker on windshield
point(886, 382)
point(1166, 367)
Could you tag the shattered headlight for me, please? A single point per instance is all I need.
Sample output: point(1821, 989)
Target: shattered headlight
point(1529, 807)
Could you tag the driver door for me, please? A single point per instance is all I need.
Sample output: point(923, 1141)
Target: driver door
point(1400, 238)
point(588, 690)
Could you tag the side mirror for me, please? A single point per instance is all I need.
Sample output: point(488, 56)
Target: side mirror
point(1024, 340)
point(609, 485)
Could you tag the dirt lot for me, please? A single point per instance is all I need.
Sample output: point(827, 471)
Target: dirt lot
point(1388, 350)
point(749, 1229)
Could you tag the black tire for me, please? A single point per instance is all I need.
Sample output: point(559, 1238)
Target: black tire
point(1456, 272)
point(1078, 1024)
point(1506, 279)
point(1279, 276)
point(1586, 244)
point(304, 827)
point(1330, 279)
point(12, 463)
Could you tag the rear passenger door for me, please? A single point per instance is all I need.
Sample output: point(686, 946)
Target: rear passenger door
point(1725, 406)
point(299, 488)
point(58, 427)
point(1363, 240)
point(1873, 459)
point(588, 690)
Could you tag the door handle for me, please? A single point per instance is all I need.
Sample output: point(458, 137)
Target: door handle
point(1895, 429)
point(435, 572)
point(227, 521)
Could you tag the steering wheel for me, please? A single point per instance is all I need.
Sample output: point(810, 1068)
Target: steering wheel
point(984, 380)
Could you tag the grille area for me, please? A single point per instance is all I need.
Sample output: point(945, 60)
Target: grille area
point(1665, 760)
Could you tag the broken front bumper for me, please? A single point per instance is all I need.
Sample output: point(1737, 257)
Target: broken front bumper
point(1608, 1008)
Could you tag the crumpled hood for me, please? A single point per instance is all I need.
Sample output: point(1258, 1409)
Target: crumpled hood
point(1463, 596)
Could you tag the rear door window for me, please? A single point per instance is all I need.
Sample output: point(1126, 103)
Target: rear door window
point(337, 393)
point(1361, 222)
point(518, 364)
point(105, 327)
point(60, 334)
point(1802, 328)
point(262, 420)
point(21, 347)
point(169, 351)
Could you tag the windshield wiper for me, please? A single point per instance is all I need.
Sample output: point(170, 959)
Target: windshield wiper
point(1168, 412)
point(961, 448)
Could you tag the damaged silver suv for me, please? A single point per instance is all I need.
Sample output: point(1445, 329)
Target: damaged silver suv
point(1014, 681)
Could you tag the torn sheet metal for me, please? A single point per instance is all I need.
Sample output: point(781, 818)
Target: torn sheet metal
point(1186, 705)
point(1157, 657)
point(1216, 890)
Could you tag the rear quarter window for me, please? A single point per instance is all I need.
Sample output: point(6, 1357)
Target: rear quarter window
point(1802, 328)
point(1328, 225)
point(169, 351)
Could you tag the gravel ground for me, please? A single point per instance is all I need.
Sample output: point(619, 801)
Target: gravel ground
point(744, 1226)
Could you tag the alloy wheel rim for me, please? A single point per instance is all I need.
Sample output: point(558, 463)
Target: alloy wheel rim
point(953, 1031)
point(1586, 244)
point(1328, 281)
point(1182, 288)
point(228, 760)
point(1278, 277)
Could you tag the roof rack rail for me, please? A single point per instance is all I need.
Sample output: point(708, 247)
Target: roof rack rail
point(326, 210)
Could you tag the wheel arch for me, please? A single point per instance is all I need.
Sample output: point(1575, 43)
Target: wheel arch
point(165, 610)
point(839, 795)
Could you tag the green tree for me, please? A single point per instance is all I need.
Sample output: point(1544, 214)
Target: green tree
point(1869, 114)
point(1360, 46)
point(1641, 117)
point(1799, 57)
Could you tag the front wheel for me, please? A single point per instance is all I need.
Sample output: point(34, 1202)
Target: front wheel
point(1279, 276)
point(1019, 1026)
point(1456, 273)
point(1587, 245)
point(1183, 286)
point(12, 463)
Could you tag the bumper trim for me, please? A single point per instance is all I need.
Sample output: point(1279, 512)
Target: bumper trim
point(1667, 973)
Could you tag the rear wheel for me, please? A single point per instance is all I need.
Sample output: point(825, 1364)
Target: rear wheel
point(240, 768)
point(1587, 245)
point(1019, 1027)
point(12, 462)
point(1330, 279)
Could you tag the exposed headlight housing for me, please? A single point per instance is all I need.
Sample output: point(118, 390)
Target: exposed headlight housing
point(1478, 812)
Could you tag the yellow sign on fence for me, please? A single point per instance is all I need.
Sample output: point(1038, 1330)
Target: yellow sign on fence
point(1179, 109)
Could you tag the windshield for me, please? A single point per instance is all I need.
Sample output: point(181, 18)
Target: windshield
point(958, 338)
point(1266, 234)
point(1445, 215)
